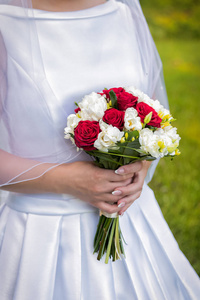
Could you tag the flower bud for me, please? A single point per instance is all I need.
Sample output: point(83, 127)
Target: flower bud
point(172, 148)
point(177, 152)
point(148, 117)
point(165, 124)
point(161, 144)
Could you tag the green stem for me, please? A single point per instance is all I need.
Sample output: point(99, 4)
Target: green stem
point(110, 241)
point(104, 238)
point(99, 232)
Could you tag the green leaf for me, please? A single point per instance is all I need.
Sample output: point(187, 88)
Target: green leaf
point(113, 98)
point(71, 134)
point(132, 134)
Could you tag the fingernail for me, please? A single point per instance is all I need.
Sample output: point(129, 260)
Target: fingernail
point(122, 204)
point(116, 193)
point(121, 214)
point(119, 171)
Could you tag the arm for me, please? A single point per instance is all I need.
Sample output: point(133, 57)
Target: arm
point(83, 180)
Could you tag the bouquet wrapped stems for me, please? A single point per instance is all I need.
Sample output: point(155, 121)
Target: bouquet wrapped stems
point(109, 239)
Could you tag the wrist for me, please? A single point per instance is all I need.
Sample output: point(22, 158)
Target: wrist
point(58, 180)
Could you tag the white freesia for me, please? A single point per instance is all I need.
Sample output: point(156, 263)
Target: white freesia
point(171, 133)
point(72, 122)
point(149, 142)
point(92, 107)
point(131, 119)
point(108, 137)
point(159, 143)
point(164, 141)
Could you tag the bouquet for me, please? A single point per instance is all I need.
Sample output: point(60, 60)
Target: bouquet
point(116, 127)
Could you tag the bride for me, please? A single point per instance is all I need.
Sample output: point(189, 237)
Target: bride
point(52, 53)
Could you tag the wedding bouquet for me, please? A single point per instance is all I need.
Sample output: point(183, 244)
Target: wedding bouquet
point(116, 127)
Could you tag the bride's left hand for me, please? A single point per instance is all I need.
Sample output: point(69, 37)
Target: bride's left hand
point(133, 190)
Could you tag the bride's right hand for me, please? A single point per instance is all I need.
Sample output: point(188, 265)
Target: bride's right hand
point(90, 183)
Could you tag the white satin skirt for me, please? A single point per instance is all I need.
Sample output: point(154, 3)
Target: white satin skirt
point(46, 253)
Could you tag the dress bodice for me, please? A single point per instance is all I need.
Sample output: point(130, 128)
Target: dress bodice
point(78, 52)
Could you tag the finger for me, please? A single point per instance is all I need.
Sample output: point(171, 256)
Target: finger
point(106, 198)
point(130, 168)
point(115, 185)
point(130, 189)
point(109, 188)
point(128, 201)
point(108, 208)
point(114, 177)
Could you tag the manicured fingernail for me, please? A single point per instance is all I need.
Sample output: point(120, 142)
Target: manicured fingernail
point(121, 214)
point(116, 193)
point(119, 171)
point(122, 204)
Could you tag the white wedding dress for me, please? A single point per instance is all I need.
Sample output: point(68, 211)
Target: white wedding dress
point(46, 241)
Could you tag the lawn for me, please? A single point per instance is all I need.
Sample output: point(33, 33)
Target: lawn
point(176, 183)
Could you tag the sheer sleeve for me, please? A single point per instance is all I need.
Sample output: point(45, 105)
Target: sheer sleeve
point(12, 168)
point(31, 140)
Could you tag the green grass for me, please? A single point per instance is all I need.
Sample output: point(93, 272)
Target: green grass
point(177, 183)
point(173, 18)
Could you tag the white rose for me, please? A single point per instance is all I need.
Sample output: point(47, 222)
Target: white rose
point(92, 107)
point(131, 119)
point(72, 122)
point(103, 125)
point(108, 137)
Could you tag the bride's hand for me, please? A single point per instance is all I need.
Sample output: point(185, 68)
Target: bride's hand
point(94, 185)
point(132, 191)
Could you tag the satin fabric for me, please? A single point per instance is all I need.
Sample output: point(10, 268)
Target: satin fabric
point(46, 241)
point(48, 255)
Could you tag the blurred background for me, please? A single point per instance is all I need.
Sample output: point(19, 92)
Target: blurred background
point(175, 26)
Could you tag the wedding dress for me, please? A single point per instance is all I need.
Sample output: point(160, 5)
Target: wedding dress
point(46, 241)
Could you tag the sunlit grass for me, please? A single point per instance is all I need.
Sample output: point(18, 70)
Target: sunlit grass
point(177, 183)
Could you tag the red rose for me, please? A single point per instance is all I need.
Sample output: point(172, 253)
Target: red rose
point(117, 91)
point(85, 134)
point(77, 110)
point(144, 109)
point(114, 117)
point(124, 99)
